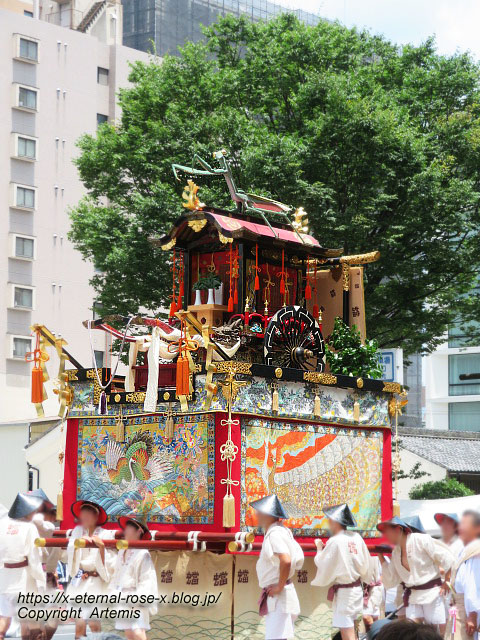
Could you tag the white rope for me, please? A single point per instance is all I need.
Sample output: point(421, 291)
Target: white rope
point(193, 538)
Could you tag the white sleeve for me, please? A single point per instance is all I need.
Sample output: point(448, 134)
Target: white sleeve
point(326, 561)
point(364, 567)
point(472, 585)
point(440, 554)
point(390, 577)
point(73, 555)
point(35, 567)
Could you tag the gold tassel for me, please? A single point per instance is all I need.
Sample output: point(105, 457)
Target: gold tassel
point(60, 506)
point(316, 406)
point(275, 399)
point(356, 411)
point(169, 428)
point(396, 508)
point(228, 510)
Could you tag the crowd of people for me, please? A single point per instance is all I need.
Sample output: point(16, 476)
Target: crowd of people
point(429, 588)
point(93, 569)
point(435, 583)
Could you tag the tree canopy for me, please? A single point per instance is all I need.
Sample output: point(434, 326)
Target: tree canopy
point(379, 144)
point(448, 488)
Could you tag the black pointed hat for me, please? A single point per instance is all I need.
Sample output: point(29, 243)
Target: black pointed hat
point(415, 524)
point(341, 513)
point(40, 493)
point(23, 505)
point(270, 506)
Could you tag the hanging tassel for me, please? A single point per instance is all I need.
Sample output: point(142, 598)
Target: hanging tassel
point(230, 304)
point(316, 311)
point(37, 385)
point(396, 508)
point(316, 406)
point(173, 309)
point(257, 283)
point(356, 411)
point(228, 510)
point(183, 378)
point(282, 286)
point(235, 295)
point(275, 403)
point(60, 506)
point(308, 292)
point(169, 429)
point(257, 279)
point(102, 404)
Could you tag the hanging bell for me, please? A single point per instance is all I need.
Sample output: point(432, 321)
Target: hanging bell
point(37, 384)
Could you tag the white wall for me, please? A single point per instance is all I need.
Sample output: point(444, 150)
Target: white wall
point(14, 474)
point(43, 454)
point(409, 459)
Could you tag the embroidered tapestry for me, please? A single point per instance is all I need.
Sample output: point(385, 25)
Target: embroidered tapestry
point(310, 467)
point(133, 467)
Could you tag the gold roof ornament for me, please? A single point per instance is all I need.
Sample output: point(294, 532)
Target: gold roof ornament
point(189, 194)
point(300, 225)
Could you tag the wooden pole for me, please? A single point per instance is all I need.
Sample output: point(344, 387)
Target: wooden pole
point(203, 536)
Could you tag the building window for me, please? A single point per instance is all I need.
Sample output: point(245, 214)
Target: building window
point(24, 197)
point(22, 298)
point(28, 49)
point(24, 247)
point(26, 148)
point(101, 118)
point(97, 310)
point(98, 359)
point(28, 14)
point(102, 75)
point(464, 416)
point(464, 374)
point(27, 98)
point(20, 347)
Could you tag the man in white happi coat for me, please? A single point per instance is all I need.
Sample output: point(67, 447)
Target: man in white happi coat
point(448, 523)
point(465, 581)
point(21, 570)
point(343, 564)
point(45, 520)
point(280, 557)
point(90, 568)
point(135, 574)
point(416, 564)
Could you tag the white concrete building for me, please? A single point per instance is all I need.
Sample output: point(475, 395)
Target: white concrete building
point(56, 84)
point(452, 393)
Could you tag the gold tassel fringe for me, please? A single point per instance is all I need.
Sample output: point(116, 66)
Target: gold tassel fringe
point(316, 406)
point(228, 510)
point(275, 400)
point(356, 411)
point(169, 428)
point(396, 508)
point(60, 506)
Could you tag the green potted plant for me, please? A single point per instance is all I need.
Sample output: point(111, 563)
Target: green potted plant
point(210, 283)
point(347, 355)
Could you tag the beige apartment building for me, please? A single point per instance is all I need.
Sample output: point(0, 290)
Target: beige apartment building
point(56, 84)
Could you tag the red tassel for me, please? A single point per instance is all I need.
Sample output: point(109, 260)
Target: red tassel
point(37, 385)
point(308, 292)
point(235, 297)
point(173, 309)
point(315, 311)
point(179, 303)
point(182, 379)
point(230, 305)
point(282, 286)
point(257, 283)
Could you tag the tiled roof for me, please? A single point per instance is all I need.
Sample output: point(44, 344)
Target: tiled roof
point(455, 451)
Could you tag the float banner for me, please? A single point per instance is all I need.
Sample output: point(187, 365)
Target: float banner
point(310, 466)
point(133, 467)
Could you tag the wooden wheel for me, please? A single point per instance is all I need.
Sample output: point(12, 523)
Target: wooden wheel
point(293, 340)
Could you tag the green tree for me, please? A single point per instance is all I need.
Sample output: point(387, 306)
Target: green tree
point(380, 145)
point(347, 355)
point(436, 490)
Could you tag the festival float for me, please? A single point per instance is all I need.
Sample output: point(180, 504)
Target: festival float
point(227, 400)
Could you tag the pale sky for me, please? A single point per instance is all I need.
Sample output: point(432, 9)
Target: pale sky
point(455, 23)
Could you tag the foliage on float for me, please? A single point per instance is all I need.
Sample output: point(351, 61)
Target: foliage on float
point(347, 355)
point(210, 281)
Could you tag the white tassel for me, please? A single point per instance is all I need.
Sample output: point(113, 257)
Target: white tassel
point(150, 403)
point(132, 361)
